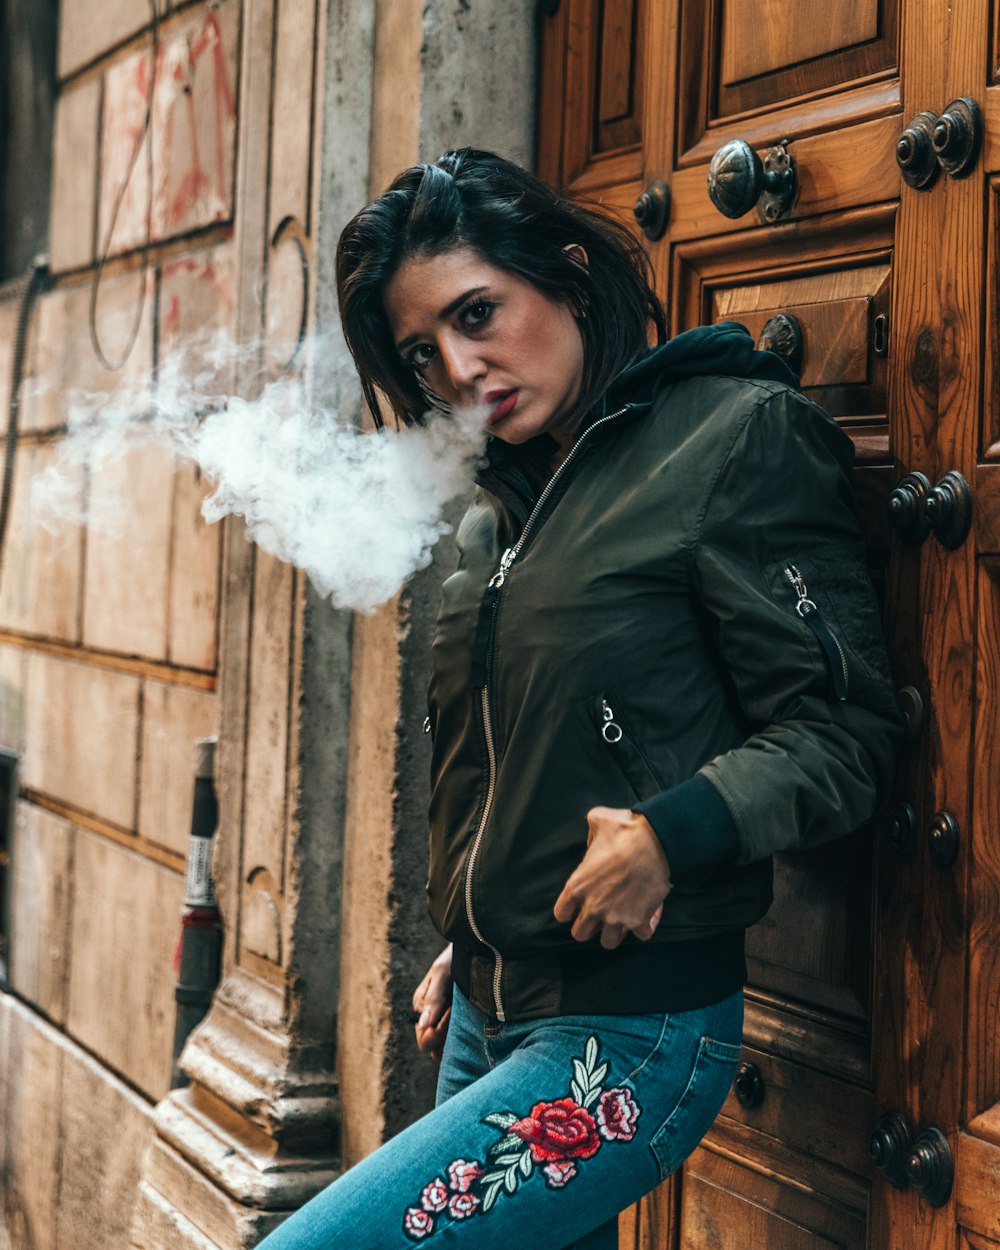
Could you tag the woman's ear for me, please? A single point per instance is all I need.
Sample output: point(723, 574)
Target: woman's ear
point(578, 253)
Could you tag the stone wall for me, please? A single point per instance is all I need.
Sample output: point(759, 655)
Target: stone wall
point(108, 638)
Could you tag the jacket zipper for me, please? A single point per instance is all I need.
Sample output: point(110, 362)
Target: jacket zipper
point(827, 639)
point(496, 584)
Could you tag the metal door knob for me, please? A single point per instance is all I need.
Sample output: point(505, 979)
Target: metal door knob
point(930, 1168)
point(913, 708)
point(749, 1086)
point(908, 508)
point(958, 137)
point(915, 154)
point(943, 836)
point(949, 510)
point(903, 829)
point(738, 179)
point(652, 210)
point(890, 1145)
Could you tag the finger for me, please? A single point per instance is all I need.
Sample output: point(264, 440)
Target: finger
point(420, 993)
point(646, 930)
point(584, 928)
point(567, 904)
point(612, 936)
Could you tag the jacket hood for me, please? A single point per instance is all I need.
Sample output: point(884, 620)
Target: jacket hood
point(517, 473)
point(726, 349)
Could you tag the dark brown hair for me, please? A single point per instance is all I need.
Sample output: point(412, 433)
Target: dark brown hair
point(479, 200)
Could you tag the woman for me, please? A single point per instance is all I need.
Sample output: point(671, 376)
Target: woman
point(658, 662)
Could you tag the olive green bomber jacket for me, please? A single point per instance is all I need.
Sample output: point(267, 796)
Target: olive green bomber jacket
point(680, 622)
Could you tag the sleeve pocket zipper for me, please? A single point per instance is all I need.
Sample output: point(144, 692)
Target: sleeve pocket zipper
point(825, 636)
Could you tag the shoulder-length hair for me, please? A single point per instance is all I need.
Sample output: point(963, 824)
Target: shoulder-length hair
point(470, 198)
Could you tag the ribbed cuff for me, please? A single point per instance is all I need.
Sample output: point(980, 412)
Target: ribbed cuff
point(694, 826)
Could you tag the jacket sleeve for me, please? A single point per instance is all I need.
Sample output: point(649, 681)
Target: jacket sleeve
point(819, 701)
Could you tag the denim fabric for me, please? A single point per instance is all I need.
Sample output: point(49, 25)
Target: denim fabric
point(543, 1131)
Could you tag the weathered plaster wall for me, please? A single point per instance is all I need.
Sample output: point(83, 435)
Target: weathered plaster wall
point(108, 639)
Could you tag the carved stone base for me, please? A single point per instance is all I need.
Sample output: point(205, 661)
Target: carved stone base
point(248, 1142)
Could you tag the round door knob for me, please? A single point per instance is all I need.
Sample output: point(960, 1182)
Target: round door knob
point(903, 829)
point(652, 210)
point(930, 1168)
point(943, 836)
point(738, 179)
point(958, 137)
point(915, 154)
point(908, 508)
point(949, 510)
point(890, 1144)
point(749, 1086)
point(782, 335)
point(911, 704)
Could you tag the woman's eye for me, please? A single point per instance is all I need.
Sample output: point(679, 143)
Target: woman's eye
point(477, 314)
point(421, 356)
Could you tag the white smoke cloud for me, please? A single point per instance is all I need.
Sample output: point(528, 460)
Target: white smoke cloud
point(358, 512)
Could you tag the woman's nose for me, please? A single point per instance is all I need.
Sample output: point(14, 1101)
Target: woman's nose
point(463, 363)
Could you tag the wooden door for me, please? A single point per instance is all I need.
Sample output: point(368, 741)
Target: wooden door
point(875, 979)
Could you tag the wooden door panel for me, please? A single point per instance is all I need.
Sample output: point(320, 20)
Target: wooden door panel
point(805, 1110)
point(814, 946)
point(834, 274)
point(830, 175)
point(594, 71)
point(989, 441)
point(976, 1170)
point(729, 1206)
point(744, 56)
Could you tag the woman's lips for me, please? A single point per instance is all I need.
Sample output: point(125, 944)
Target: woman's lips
point(502, 403)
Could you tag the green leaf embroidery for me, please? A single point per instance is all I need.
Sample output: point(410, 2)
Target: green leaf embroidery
point(525, 1164)
point(492, 1194)
point(582, 1076)
point(590, 1054)
point(509, 1141)
point(504, 1161)
point(500, 1119)
point(510, 1180)
point(597, 1078)
point(576, 1092)
point(592, 1097)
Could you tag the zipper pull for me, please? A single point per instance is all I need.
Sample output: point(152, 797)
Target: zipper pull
point(827, 639)
point(611, 731)
point(805, 606)
point(500, 576)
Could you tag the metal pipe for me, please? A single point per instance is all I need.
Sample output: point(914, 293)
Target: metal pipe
point(200, 950)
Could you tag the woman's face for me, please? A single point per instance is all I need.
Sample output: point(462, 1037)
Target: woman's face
point(482, 335)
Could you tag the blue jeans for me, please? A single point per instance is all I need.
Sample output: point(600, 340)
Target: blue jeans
point(543, 1131)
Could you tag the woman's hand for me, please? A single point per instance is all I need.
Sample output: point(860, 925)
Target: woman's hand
point(432, 1006)
point(621, 882)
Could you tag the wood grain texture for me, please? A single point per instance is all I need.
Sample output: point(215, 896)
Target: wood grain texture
point(830, 179)
point(712, 28)
point(983, 1042)
point(755, 34)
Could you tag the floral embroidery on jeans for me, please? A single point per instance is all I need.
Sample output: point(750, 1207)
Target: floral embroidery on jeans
point(557, 1136)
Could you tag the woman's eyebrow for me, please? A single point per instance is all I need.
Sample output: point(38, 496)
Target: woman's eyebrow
point(445, 312)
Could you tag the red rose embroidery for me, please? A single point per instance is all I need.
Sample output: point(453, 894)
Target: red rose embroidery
point(558, 1130)
point(558, 1172)
point(463, 1175)
point(417, 1223)
point(434, 1196)
point(462, 1206)
point(617, 1114)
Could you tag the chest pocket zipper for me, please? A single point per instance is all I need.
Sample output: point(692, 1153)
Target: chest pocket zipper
point(824, 635)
